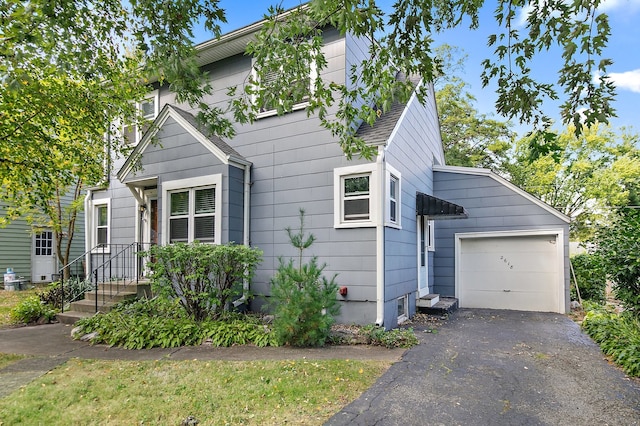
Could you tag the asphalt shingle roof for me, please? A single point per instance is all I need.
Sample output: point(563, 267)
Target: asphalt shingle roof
point(381, 130)
point(224, 147)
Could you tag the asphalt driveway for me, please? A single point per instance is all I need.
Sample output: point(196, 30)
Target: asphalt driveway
point(490, 367)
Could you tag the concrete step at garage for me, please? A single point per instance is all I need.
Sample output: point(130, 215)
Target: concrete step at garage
point(444, 306)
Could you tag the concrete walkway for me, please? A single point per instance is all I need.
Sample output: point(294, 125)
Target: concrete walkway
point(487, 367)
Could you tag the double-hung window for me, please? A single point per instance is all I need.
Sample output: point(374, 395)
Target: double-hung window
point(192, 215)
point(147, 112)
point(296, 92)
point(101, 220)
point(192, 210)
point(393, 197)
point(355, 196)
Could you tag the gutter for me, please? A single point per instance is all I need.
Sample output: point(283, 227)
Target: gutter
point(87, 229)
point(380, 239)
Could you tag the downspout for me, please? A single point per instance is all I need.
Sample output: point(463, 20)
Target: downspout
point(246, 240)
point(380, 238)
point(247, 210)
point(88, 225)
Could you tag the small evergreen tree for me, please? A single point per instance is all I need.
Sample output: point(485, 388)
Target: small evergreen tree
point(305, 300)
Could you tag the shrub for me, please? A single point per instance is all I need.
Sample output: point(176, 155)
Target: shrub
point(203, 277)
point(162, 323)
point(592, 279)
point(32, 310)
point(618, 249)
point(618, 336)
point(396, 338)
point(304, 300)
point(73, 289)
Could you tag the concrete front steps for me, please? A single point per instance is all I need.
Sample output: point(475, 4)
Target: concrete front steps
point(435, 304)
point(108, 295)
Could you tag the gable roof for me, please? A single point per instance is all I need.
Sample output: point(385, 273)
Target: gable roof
point(387, 122)
point(383, 127)
point(486, 172)
point(225, 153)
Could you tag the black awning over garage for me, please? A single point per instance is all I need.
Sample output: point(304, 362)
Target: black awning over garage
point(435, 208)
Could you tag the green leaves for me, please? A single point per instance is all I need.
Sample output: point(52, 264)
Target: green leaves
point(617, 246)
point(202, 277)
point(157, 323)
point(618, 335)
point(581, 176)
point(304, 301)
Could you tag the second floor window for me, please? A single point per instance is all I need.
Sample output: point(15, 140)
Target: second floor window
point(277, 90)
point(147, 110)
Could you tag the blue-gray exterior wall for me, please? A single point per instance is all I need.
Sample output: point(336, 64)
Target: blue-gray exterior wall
point(293, 159)
point(235, 205)
point(491, 206)
point(414, 148)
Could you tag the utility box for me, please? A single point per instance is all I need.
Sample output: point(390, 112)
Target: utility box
point(11, 283)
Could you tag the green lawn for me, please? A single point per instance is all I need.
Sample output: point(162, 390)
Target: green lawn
point(9, 299)
point(302, 392)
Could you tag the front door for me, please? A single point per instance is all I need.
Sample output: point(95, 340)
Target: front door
point(153, 224)
point(149, 220)
point(43, 264)
point(423, 258)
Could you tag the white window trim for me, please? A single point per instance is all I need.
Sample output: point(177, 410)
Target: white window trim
point(94, 225)
point(405, 316)
point(338, 202)
point(431, 237)
point(313, 74)
point(137, 134)
point(191, 183)
point(392, 172)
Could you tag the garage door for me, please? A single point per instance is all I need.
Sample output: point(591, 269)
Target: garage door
point(518, 272)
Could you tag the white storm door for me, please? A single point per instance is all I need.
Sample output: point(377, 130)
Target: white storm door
point(423, 256)
point(43, 264)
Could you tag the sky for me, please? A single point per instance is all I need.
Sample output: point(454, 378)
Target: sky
point(623, 49)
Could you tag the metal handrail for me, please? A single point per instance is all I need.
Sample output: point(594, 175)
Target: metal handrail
point(120, 262)
point(124, 267)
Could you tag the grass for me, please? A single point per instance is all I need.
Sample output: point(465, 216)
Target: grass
point(8, 300)
point(302, 392)
point(6, 359)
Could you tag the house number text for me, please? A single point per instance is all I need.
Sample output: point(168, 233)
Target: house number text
point(506, 261)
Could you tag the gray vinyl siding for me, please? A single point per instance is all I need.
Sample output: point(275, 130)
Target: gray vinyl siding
point(176, 155)
point(235, 205)
point(293, 159)
point(15, 247)
point(491, 206)
point(412, 151)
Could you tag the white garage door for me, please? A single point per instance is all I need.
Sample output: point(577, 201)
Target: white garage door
point(518, 272)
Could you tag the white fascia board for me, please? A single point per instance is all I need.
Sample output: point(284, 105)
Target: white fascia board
point(488, 173)
point(412, 99)
point(206, 142)
point(167, 112)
